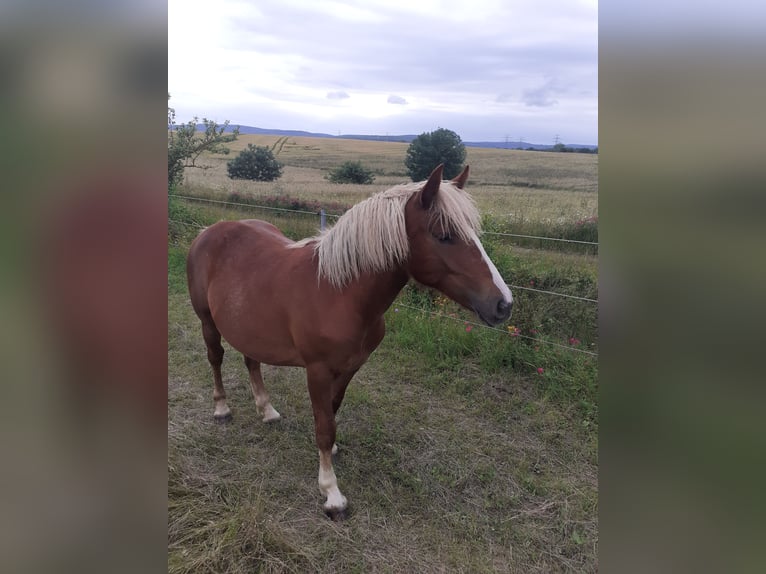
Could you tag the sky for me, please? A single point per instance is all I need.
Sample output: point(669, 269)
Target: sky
point(489, 70)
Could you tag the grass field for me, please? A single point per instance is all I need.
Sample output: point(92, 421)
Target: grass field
point(457, 455)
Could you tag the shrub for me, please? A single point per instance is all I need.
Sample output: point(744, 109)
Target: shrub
point(351, 172)
point(430, 149)
point(255, 163)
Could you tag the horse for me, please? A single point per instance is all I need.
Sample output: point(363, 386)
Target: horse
point(319, 303)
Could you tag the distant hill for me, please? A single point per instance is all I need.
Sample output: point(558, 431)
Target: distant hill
point(272, 132)
point(407, 138)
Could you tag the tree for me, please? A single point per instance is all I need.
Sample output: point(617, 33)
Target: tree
point(185, 145)
point(351, 172)
point(430, 149)
point(255, 163)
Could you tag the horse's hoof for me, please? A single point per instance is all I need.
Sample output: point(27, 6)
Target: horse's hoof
point(222, 419)
point(337, 514)
point(270, 414)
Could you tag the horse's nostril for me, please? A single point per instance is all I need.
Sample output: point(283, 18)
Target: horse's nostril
point(504, 308)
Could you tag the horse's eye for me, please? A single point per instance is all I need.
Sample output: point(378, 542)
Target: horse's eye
point(446, 238)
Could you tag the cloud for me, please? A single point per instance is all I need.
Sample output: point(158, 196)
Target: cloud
point(337, 95)
point(540, 97)
point(397, 100)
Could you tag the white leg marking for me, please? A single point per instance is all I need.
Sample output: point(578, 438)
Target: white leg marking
point(263, 402)
point(270, 414)
point(334, 448)
point(496, 278)
point(221, 409)
point(328, 485)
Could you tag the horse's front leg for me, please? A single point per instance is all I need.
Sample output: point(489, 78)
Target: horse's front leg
point(324, 388)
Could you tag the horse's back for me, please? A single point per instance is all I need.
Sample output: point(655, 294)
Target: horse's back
point(241, 232)
point(226, 248)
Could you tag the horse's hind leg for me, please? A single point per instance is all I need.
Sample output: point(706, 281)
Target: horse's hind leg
point(262, 400)
point(212, 337)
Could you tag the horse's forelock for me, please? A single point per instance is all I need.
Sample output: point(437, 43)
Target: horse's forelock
point(455, 210)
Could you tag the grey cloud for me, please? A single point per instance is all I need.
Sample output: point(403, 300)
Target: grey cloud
point(541, 97)
point(407, 59)
point(337, 95)
point(396, 100)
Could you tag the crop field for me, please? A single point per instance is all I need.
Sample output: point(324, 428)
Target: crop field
point(514, 185)
point(462, 448)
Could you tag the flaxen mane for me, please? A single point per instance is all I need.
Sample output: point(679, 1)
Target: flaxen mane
point(372, 237)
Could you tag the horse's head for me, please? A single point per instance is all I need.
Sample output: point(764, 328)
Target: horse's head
point(445, 251)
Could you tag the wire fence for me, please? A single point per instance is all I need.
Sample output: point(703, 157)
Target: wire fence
point(250, 205)
point(188, 223)
point(510, 285)
point(501, 234)
point(482, 325)
point(323, 215)
point(553, 293)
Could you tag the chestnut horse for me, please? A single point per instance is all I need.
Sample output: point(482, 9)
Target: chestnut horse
point(319, 303)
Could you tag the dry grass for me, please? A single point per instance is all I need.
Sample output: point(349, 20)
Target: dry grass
point(519, 185)
point(490, 478)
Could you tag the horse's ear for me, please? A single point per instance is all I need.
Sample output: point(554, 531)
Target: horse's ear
point(431, 188)
point(460, 180)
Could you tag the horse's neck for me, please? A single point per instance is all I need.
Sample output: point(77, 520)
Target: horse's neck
point(377, 292)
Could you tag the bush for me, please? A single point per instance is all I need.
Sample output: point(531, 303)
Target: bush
point(432, 148)
point(255, 163)
point(351, 172)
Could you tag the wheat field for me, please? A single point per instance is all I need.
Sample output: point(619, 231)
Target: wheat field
point(516, 185)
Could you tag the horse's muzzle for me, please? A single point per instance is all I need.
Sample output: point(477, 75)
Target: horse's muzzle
point(504, 310)
point(494, 312)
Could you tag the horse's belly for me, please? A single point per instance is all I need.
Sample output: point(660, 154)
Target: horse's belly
point(266, 352)
point(264, 347)
point(261, 334)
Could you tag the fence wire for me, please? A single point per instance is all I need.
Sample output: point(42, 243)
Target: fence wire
point(553, 293)
point(250, 205)
point(253, 206)
point(188, 224)
point(198, 226)
point(540, 237)
point(483, 326)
